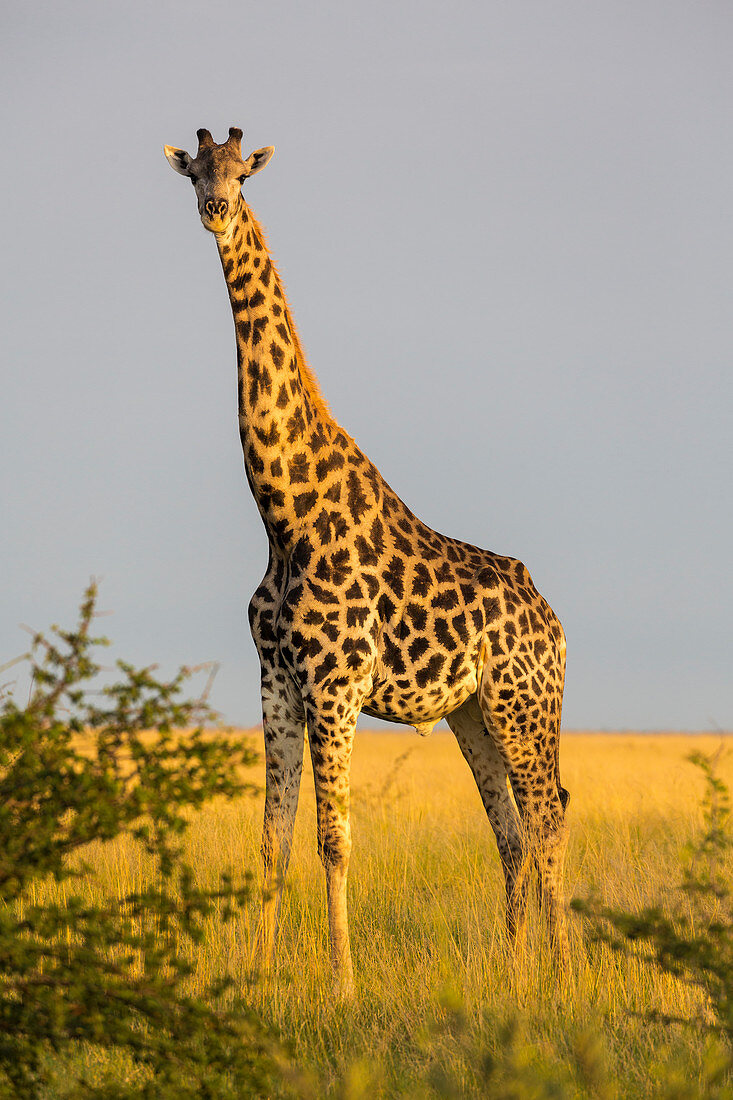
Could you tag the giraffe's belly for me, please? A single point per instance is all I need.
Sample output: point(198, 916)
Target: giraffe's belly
point(414, 699)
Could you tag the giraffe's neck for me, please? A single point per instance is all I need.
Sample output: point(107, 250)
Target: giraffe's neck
point(283, 420)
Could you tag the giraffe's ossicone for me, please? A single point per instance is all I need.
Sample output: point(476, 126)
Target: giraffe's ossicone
point(364, 608)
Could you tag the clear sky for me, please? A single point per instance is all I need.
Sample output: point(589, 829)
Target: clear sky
point(506, 231)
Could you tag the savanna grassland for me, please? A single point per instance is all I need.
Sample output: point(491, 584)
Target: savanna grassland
point(438, 1012)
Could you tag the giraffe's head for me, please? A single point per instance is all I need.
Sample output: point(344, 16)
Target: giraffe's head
point(217, 173)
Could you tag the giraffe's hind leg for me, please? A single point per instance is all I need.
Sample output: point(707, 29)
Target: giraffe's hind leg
point(489, 771)
point(528, 745)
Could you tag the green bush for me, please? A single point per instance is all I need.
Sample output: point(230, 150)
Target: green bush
point(77, 766)
point(692, 938)
point(689, 937)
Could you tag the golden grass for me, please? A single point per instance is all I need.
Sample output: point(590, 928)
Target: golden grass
point(426, 911)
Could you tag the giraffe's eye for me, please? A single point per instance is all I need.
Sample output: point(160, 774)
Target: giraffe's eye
point(243, 178)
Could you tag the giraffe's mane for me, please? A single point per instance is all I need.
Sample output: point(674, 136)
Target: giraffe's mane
point(307, 373)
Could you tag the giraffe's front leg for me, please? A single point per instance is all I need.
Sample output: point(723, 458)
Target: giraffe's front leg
point(330, 745)
point(283, 721)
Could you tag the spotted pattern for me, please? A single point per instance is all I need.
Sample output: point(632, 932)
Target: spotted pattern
point(365, 608)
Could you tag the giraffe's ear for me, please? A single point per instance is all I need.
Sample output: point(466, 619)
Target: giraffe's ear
point(178, 159)
point(258, 159)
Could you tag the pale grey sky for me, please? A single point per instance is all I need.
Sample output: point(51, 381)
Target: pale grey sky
point(506, 231)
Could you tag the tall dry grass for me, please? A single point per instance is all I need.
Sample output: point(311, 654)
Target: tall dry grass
point(435, 992)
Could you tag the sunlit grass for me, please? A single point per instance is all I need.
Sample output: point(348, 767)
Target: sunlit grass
point(426, 911)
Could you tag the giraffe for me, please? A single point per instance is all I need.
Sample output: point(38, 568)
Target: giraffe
point(363, 608)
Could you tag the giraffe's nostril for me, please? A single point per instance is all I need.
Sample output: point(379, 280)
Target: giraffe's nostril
point(223, 204)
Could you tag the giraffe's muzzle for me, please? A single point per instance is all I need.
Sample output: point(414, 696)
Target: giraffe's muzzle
point(216, 208)
point(215, 214)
